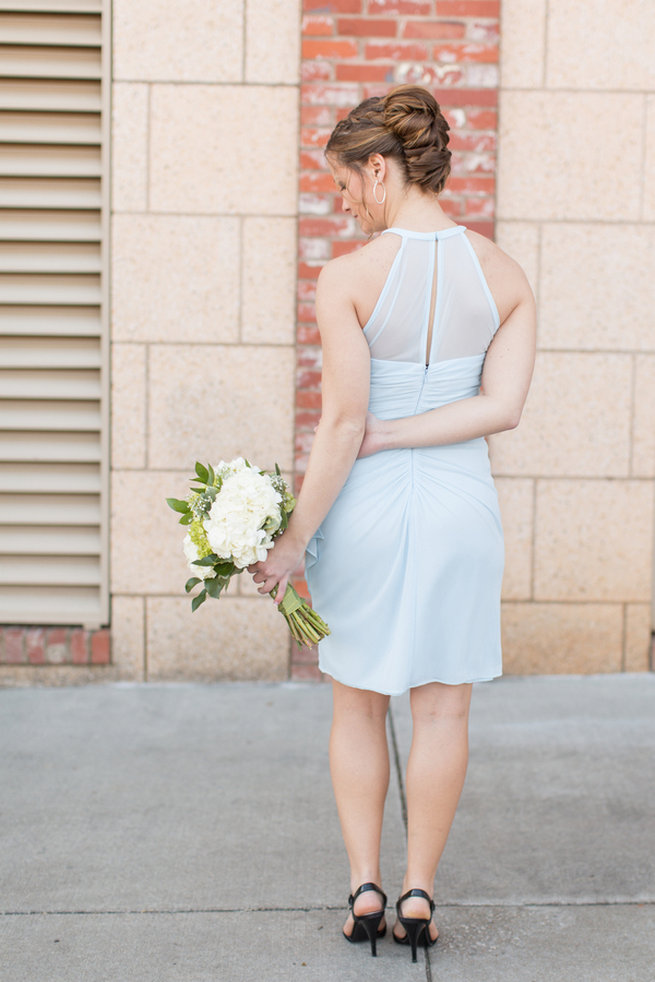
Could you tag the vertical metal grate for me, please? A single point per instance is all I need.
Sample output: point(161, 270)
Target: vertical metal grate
point(54, 81)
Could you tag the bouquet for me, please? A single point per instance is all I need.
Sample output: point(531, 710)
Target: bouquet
point(233, 514)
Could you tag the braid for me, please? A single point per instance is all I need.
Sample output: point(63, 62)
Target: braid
point(406, 124)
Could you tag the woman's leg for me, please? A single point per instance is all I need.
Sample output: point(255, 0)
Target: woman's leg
point(435, 776)
point(359, 764)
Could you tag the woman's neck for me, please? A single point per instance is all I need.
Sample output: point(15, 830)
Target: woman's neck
point(417, 211)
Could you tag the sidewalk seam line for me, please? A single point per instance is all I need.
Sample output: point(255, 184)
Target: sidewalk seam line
point(403, 808)
point(316, 909)
point(399, 770)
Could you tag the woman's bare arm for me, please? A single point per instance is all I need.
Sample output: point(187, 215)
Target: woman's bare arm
point(345, 388)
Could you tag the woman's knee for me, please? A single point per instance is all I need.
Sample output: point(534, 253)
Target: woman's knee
point(437, 702)
point(359, 702)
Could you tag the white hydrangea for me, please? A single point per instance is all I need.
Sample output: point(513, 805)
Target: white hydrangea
point(245, 504)
point(191, 553)
point(230, 467)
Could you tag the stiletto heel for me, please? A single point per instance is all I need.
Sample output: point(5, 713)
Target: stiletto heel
point(414, 931)
point(417, 928)
point(366, 926)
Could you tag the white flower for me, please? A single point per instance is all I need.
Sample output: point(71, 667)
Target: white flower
point(246, 502)
point(225, 468)
point(191, 553)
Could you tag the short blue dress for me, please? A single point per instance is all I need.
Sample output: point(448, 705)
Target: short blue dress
point(407, 566)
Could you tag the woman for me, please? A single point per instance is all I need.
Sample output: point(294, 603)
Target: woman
point(428, 337)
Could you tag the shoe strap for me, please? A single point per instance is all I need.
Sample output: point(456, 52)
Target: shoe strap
point(367, 888)
point(416, 892)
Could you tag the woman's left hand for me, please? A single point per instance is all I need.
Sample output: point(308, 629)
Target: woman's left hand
point(373, 437)
point(282, 560)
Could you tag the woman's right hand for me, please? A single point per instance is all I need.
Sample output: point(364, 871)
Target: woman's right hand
point(373, 440)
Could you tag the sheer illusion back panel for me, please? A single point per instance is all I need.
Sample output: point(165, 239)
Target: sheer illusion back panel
point(465, 317)
point(397, 328)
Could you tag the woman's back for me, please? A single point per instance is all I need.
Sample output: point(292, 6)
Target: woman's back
point(431, 320)
point(435, 304)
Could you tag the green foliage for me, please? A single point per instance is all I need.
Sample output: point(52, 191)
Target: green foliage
point(214, 586)
point(200, 599)
point(209, 560)
point(177, 505)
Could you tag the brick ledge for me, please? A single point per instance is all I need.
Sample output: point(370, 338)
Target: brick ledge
point(42, 645)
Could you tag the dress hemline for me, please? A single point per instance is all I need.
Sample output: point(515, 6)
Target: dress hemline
point(414, 685)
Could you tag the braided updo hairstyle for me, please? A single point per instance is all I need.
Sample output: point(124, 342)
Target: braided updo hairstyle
point(406, 124)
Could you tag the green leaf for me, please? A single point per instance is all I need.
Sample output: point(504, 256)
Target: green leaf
point(277, 470)
point(214, 587)
point(186, 519)
point(211, 477)
point(225, 569)
point(202, 473)
point(177, 505)
point(209, 560)
point(200, 599)
point(190, 583)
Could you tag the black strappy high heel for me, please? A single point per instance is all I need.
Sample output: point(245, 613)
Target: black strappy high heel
point(417, 928)
point(366, 925)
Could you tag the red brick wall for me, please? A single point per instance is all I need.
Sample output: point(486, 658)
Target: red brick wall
point(352, 49)
point(54, 646)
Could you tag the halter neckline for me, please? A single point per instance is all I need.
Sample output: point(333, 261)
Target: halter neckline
point(443, 233)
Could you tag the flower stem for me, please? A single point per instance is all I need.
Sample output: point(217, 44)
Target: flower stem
point(305, 624)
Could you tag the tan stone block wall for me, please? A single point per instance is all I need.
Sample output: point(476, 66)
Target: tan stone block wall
point(128, 652)
point(128, 400)
point(576, 206)
point(614, 263)
point(649, 163)
point(204, 188)
point(562, 638)
point(129, 146)
point(236, 638)
point(516, 498)
point(189, 264)
point(223, 149)
point(569, 425)
point(165, 40)
point(643, 433)
point(593, 540)
point(616, 51)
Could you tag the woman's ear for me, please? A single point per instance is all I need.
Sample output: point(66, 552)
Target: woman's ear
point(378, 166)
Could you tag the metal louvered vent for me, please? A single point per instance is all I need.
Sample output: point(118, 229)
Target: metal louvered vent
point(54, 121)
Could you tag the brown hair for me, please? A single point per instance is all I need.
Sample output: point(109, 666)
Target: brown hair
point(406, 124)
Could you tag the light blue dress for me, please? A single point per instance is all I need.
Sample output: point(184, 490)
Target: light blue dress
point(407, 566)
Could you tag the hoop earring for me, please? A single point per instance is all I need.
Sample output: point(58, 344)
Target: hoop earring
point(384, 192)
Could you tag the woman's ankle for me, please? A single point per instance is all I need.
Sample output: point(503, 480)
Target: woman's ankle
point(369, 901)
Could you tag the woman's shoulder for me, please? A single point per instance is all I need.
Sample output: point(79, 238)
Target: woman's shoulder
point(362, 270)
point(369, 254)
point(504, 275)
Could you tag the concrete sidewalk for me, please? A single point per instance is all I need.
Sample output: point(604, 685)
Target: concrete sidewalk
point(188, 833)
